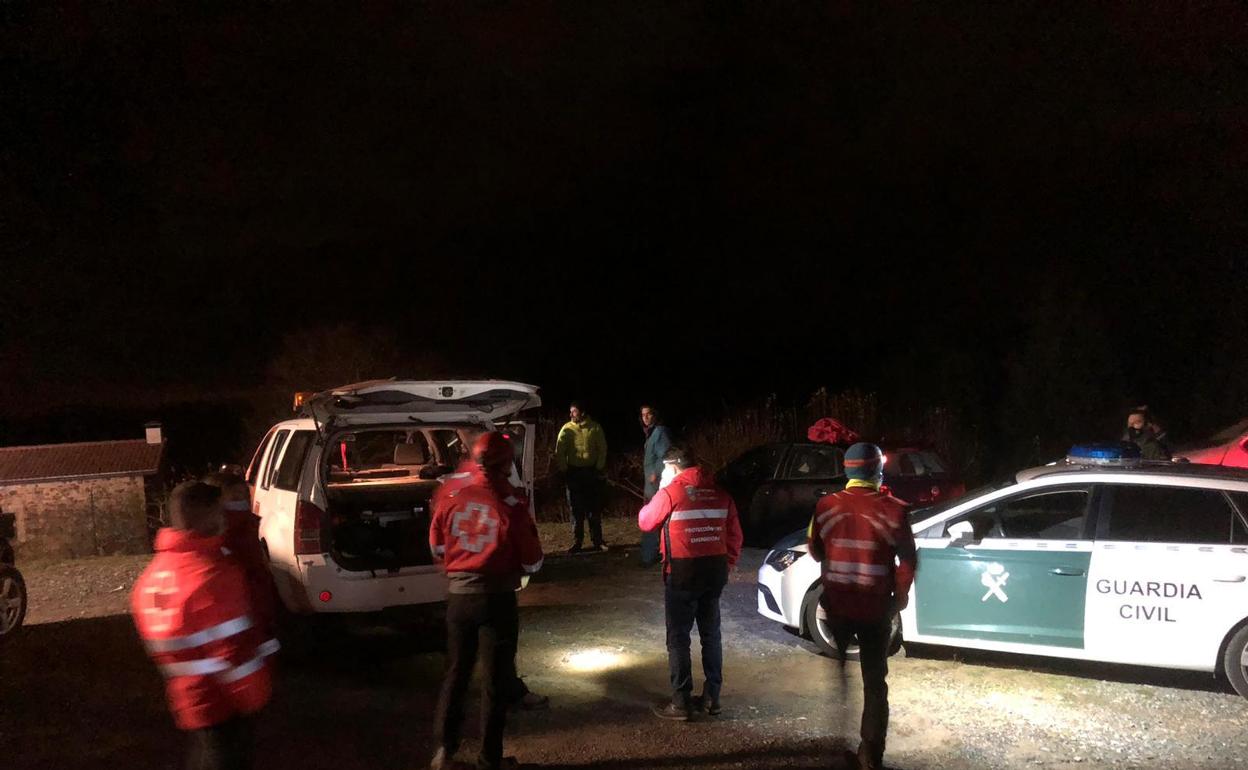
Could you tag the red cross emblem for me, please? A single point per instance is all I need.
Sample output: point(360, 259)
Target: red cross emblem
point(475, 527)
point(158, 605)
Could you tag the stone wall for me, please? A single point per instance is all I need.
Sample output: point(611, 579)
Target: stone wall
point(82, 517)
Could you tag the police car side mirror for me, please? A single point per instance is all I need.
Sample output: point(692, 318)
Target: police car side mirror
point(962, 532)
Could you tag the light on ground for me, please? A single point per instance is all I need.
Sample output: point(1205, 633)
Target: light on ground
point(595, 659)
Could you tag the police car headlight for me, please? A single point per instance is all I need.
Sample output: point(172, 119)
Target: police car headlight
point(782, 560)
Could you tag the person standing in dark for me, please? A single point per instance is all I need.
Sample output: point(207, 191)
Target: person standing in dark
point(1146, 434)
point(658, 441)
point(581, 456)
point(868, 560)
point(701, 542)
point(486, 539)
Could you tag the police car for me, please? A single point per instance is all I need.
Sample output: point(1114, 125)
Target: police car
point(1100, 557)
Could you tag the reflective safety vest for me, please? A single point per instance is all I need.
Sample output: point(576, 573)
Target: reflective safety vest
point(701, 534)
point(484, 534)
point(193, 612)
point(868, 552)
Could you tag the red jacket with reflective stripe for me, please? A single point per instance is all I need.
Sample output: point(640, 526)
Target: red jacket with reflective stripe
point(192, 611)
point(864, 542)
point(484, 534)
point(701, 519)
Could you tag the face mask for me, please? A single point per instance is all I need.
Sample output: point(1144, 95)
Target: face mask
point(237, 505)
point(669, 474)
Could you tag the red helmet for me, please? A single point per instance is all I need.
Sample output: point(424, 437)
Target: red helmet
point(492, 452)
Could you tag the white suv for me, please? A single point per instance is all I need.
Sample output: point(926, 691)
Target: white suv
point(343, 491)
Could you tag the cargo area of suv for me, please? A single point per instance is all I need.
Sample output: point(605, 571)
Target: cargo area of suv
point(379, 483)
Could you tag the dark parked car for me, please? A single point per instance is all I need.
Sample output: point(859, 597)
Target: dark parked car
point(12, 587)
point(776, 486)
point(920, 476)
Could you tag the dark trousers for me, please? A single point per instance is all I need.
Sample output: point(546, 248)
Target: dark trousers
point(483, 626)
point(873, 657)
point(684, 609)
point(585, 500)
point(227, 746)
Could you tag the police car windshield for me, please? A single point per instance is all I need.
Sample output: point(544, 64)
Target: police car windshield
point(919, 514)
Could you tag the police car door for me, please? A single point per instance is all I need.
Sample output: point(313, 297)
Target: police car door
point(1169, 575)
point(1013, 571)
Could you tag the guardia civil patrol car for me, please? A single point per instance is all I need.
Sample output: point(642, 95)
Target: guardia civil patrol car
point(1099, 557)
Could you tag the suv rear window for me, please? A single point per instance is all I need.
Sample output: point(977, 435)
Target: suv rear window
point(816, 462)
point(1168, 515)
point(292, 461)
point(756, 465)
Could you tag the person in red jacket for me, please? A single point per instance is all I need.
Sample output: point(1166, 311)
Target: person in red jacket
point(192, 612)
point(700, 541)
point(486, 539)
point(518, 695)
point(866, 549)
point(242, 539)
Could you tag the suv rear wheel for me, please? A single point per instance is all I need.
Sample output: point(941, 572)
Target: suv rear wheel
point(1235, 661)
point(821, 634)
point(12, 601)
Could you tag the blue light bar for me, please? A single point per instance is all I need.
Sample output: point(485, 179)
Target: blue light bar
point(1104, 453)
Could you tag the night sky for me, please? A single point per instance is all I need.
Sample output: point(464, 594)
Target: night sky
point(1032, 214)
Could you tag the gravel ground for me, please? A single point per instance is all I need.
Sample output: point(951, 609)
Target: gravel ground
point(593, 641)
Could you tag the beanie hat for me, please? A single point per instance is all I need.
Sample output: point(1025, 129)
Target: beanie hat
point(492, 452)
point(864, 462)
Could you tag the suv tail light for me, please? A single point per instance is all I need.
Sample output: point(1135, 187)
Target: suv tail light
point(308, 520)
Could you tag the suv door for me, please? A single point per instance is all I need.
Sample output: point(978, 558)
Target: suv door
point(1012, 571)
point(750, 480)
point(810, 472)
point(1168, 579)
point(520, 435)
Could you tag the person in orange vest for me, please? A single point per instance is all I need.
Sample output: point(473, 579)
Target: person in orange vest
point(518, 695)
point(866, 549)
point(242, 539)
point(192, 612)
point(486, 539)
point(700, 541)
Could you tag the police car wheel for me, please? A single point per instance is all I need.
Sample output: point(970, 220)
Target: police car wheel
point(12, 601)
point(1235, 661)
point(821, 635)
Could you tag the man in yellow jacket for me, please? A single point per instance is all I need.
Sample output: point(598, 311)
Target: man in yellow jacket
point(581, 456)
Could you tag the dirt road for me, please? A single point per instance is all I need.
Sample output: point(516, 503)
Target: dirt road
point(77, 692)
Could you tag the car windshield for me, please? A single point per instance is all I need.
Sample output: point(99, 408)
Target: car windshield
point(919, 514)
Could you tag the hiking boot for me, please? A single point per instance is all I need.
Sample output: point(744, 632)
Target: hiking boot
point(575, 549)
point(671, 711)
point(601, 548)
point(710, 706)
